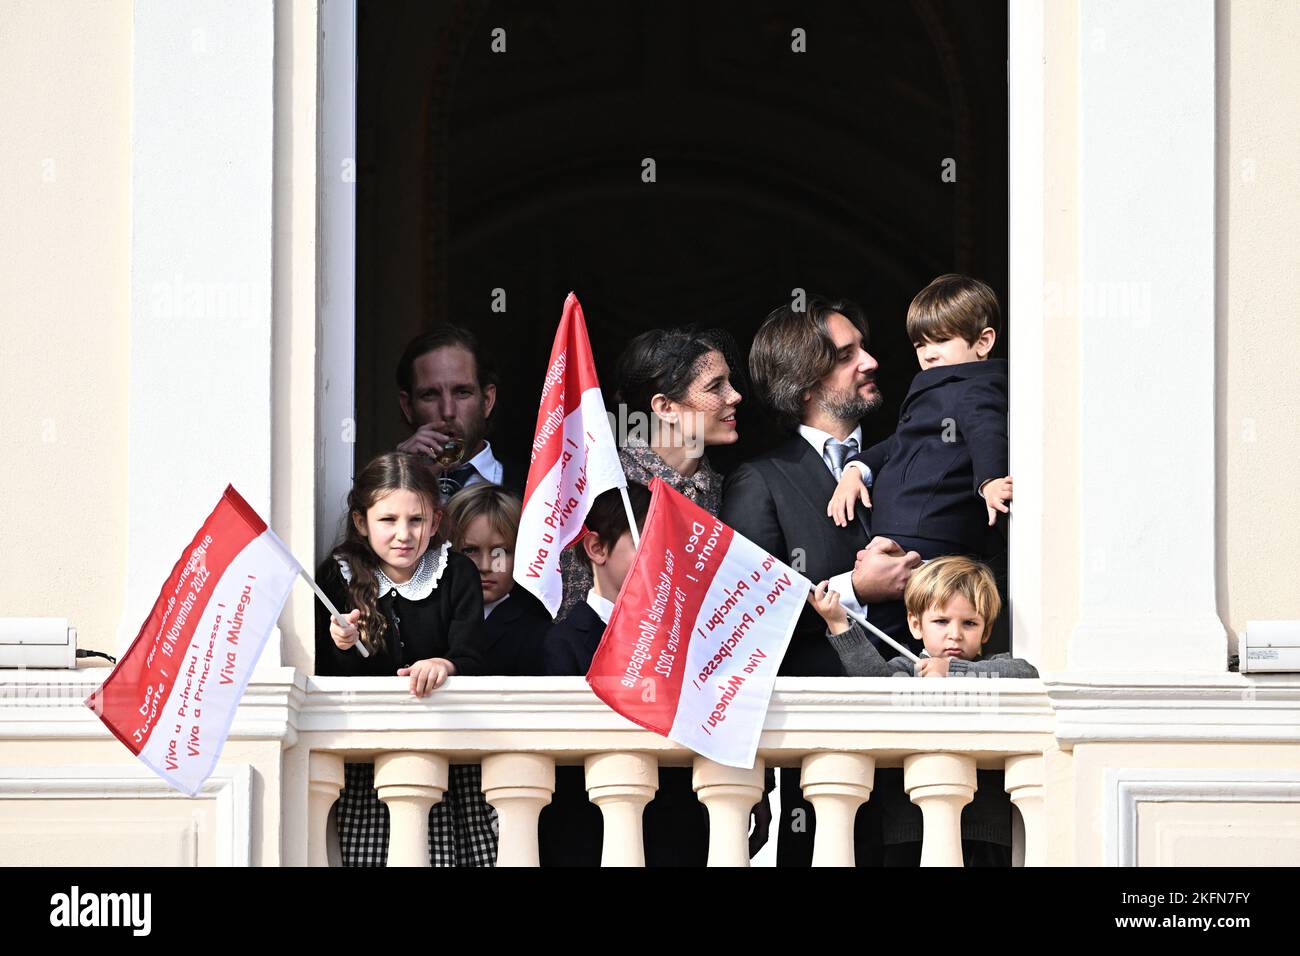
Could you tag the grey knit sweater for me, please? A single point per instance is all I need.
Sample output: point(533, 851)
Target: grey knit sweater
point(988, 816)
point(861, 659)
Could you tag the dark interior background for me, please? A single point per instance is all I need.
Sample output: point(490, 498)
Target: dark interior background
point(522, 171)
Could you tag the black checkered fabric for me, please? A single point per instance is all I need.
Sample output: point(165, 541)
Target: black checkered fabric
point(462, 827)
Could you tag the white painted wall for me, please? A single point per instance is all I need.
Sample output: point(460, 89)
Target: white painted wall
point(201, 272)
point(336, 373)
point(1258, 335)
point(65, 210)
point(1146, 338)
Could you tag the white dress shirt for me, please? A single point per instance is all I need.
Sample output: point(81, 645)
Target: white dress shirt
point(492, 605)
point(842, 582)
point(486, 467)
point(602, 606)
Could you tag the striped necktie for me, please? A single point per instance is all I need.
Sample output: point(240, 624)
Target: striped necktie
point(837, 453)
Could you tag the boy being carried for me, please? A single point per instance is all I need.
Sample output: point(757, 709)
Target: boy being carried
point(939, 481)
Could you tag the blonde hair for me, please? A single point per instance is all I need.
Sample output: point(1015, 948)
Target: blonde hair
point(483, 500)
point(937, 582)
point(952, 306)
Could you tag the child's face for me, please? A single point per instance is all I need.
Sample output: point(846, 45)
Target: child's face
point(954, 630)
point(494, 556)
point(954, 351)
point(398, 527)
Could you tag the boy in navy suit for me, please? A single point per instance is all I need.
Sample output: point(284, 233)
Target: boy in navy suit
point(939, 482)
point(949, 453)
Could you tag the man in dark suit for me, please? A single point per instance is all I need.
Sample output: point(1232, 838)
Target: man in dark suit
point(812, 368)
point(447, 389)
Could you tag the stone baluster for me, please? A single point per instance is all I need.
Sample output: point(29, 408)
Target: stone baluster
point(410, 783)
point(730, 794)
point(1025, 782)
point(621, 784)
point(518, 786)
point(836, 784)
point(940, 784)
point(325, 783)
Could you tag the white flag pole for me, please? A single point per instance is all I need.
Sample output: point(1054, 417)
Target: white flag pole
point(881, 634)
point(631, 520)
point(329, 605)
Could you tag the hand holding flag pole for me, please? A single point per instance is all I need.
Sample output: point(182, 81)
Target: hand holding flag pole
point(339, 619)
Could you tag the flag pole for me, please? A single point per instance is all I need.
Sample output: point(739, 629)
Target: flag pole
point(631, 520)
point(329, 605)
point(881, 634)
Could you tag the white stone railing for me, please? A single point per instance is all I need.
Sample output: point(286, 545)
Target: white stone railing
point(838, 731)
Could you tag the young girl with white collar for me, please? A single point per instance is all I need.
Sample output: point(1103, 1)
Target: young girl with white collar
point(417, 608)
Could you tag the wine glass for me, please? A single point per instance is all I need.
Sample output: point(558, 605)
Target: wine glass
point(452, 453)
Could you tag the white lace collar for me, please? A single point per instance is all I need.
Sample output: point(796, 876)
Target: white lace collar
point(421, 584)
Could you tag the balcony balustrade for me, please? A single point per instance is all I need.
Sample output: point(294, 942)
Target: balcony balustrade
point(837, 731)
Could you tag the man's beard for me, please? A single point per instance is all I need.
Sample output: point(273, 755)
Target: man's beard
point(846, 405)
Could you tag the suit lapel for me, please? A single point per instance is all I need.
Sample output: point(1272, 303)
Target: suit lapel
point(506, 613)
point(807, 472)
point(593, 629)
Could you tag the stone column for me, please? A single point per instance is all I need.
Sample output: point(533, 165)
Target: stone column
point(410, 783)
point(1146, 319)
point(1025, 782)
point(730, 794)
point(518, 786)
point(836, 784)
point(325, 783)
point(940, 784)
point(621, 784)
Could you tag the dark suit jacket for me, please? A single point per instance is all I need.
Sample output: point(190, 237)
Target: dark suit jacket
point(951, 438)
point(778, 501)
point(571, 643)
point(513, 635)
point(514, 473)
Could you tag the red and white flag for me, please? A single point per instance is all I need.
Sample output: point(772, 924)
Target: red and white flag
point(172, 696)
point(574, 459)
point(698, 632)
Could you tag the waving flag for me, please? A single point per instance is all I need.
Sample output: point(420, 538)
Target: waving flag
point(173, 695)
point(700, 626)
point(574, 459)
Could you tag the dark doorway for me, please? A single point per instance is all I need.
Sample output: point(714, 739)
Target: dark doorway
point(776, 169)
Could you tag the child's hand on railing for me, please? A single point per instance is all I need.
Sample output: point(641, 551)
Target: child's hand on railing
point(932, 667)
point(427, 675)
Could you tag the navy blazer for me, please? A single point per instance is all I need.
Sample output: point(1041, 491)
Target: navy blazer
point(778, 501)
point(571, 643)
point(513, 635)
point(951, 438)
